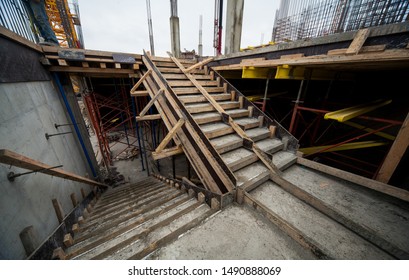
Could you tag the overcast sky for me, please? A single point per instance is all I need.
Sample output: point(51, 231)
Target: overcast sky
point(122, 26)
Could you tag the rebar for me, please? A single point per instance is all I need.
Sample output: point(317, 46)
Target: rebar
point(300, 19)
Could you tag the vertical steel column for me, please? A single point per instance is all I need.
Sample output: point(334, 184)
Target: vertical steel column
point(137, 131)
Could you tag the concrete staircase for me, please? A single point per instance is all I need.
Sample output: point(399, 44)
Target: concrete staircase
point(133, 221)
point(241, 160)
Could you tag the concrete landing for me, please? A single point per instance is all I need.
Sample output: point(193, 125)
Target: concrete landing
point(236, 233)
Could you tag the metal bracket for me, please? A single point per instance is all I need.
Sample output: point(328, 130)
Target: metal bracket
point(12, 175)
point(48, 136)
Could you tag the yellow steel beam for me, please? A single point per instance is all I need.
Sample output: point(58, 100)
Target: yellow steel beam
point(290, 72)
point(367, 129)
point(256, 72)
point(347, 146)
point(352, 112)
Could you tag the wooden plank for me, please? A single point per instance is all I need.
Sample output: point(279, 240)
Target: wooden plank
point(19, 39)
point(58, 210)
point(358, 41)
point(374, 48)
point(178, 83)
point(291, 56)
point(197, 65)
point(85, 64)
point(169, 136)
point(359, 180)
point(337, 51)
point(150, 103)
point(75, 69)
point(103, 65)
point(246, 60)
point(149, 118)
point(62, 62)
point(395, 154)
point(167, 153)
point(118, 65)
point(140, 81)
point(12, 158)
point(140, 93)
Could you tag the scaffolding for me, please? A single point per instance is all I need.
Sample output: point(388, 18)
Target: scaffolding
point(63, 17)
point(299, 19)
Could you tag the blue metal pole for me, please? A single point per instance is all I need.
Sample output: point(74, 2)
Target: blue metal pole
point(137, 131)
point(74, 122)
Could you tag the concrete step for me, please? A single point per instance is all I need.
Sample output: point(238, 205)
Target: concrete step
point(252, 176)
point(193, 90)
point(113, 228)
point(200, 98)
point(227, 143)
point(171, 77)
point(238, 113)
point(270, 145)
point(123, 210)
point(209, 117)
point(164, 235)
point(207, 107)
point(247, 123)
point(239, 158)
point(213, 130)
point(257, 134)
point(283, 159)
point(188, 83)
point(333, 239)
point(112, 241)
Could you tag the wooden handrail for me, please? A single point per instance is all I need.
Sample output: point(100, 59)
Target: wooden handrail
point(12, 158)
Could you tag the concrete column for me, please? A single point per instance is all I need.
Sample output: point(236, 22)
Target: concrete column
point(29, 239)
point(234, 23)
point(175, 36)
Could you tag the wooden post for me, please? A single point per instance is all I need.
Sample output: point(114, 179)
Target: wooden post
point(219, 82)
point(215, 204)
point(272, 129)
point(201, 197)
point(261, 121)
point(74, 199)
point(58, 210)
point(241, 101)
point(75, 228)
point(251, 109)
point(81, 220)
point(68, 240)
point(395, 153)
point(233, 95)
point(59, 254)
point(191, 193)
point(29, 239)
point(83, 193)
point(212, 75)
point(225, 87)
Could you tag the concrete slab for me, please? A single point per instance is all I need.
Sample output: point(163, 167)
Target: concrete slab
point(236, 233)
point(258, 134)
point(331, 237)
point(386, 216)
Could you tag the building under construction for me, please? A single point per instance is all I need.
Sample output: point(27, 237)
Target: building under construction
point(296, 149)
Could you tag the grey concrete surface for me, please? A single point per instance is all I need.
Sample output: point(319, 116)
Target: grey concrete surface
point(236, 233)
point(331, 237)
point(27, 112)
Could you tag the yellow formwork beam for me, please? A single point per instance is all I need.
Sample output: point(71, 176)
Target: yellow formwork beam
point(290, 72)
point(343, 147)
point(355, 111)
point(367, 129)
point(250, 72)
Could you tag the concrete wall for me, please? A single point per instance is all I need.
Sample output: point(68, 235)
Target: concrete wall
point(28, 110)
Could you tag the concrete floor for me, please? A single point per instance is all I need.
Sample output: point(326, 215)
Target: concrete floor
point(236, 233)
